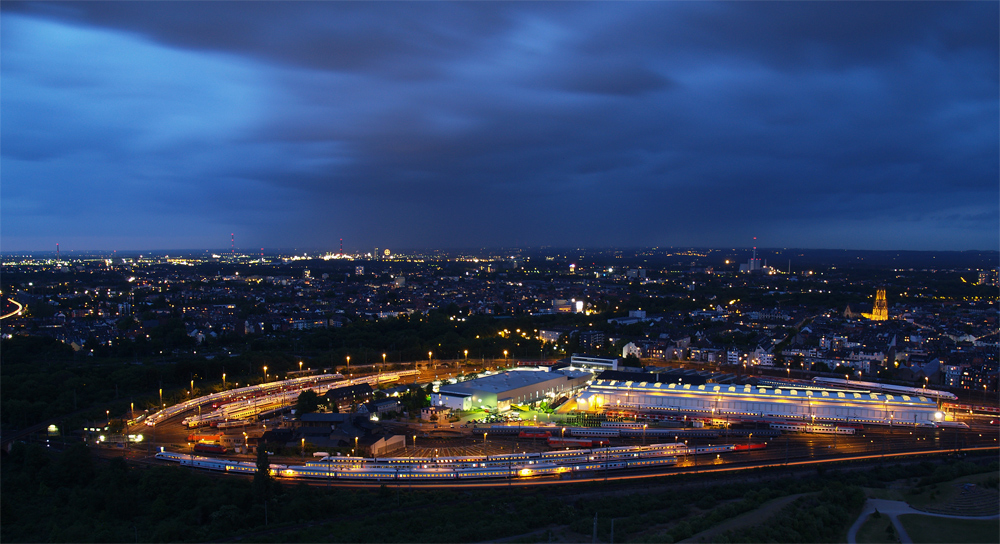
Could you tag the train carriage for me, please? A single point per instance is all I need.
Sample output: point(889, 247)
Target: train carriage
point(564, 454)
point(471, 461)
point(713, 449)
point(599, 433)
point(654, 462)
point(426, 474)
point(398, 461)
point(622, 425)
point(512, 457)
point(367, 474)
point(485, 472)
point(540, 469)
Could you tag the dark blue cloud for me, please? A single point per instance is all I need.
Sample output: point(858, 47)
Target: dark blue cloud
point(163, 124)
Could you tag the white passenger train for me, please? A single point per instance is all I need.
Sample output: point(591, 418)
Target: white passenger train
point(809, 428)
point(522, 465)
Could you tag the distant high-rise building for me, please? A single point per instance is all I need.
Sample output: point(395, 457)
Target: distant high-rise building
point(359, 271)
point(591, 340)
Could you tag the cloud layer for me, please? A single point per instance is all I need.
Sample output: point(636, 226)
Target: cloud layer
point(169, 125)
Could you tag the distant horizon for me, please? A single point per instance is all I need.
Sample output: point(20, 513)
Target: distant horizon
point(538, 248)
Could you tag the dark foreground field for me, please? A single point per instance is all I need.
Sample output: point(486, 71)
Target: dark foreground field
point(74, 497)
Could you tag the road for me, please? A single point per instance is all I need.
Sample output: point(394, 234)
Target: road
point(15, 312)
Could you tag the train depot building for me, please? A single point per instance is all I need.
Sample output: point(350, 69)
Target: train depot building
point(500, 391)
point(733, 402)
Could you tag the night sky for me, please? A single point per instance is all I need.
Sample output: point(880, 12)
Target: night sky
point(440, 125)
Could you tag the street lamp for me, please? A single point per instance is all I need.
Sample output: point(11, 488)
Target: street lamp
point(504, 357)
point(429, 357)
point(300, 366)
point(383, 360)
point(484, 438)
point(223, 380)
point(303, 449)
point(265, 374)
point(414, 443)
point(348, 365)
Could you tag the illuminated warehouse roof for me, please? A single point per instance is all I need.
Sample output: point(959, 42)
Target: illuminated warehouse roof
point(820, 404)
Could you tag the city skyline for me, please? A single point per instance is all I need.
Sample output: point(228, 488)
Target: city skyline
point(154, 126)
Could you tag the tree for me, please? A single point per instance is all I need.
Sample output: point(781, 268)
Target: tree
point(262, 478)
point(631, 360)
point(308, 402)
point(796, 361)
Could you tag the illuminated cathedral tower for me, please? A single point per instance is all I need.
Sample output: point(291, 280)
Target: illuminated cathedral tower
point(880, 312)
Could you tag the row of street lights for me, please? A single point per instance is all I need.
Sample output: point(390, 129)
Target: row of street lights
point(430, 358)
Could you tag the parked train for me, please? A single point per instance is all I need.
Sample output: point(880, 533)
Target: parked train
point(970, 408)
point(950, 425)
point(622, 425)
point(209, 463)
point(813, 428)
point(510, 465)
point(410, 473)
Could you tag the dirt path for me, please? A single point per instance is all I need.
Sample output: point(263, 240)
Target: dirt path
point(747, 519)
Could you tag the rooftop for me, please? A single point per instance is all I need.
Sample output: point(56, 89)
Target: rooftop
point(762, 391)
point(506, 381)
